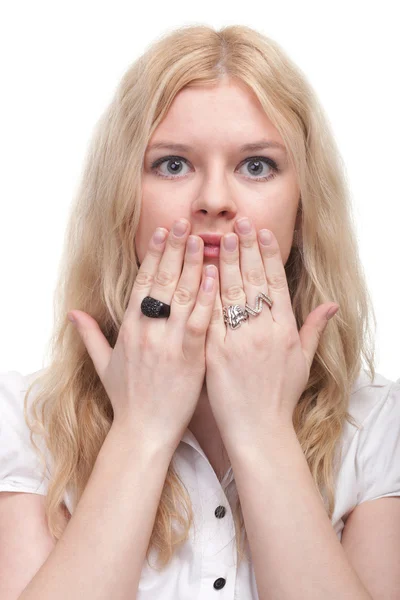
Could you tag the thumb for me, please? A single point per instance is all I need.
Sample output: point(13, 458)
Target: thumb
point(93, 338)
point(313, 328)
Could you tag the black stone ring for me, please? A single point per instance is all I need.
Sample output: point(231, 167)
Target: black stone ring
point(154, 308)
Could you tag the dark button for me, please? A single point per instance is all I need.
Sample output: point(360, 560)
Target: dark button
point(220, 512)
point(219, 583)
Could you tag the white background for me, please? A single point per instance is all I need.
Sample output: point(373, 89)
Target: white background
point(60, 65)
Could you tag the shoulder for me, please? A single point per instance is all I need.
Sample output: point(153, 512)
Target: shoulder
point(369, 461)
point(369, 397)
point(376, 407)
point(20, 466)
point(13, 387)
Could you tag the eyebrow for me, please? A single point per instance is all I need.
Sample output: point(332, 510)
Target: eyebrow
point(260, 145)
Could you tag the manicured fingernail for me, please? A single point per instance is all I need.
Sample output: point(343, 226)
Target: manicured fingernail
point(265, 237)
point(159, 236)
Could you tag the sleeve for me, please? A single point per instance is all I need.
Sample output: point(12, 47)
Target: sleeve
point(20, 467)
point(380, 448)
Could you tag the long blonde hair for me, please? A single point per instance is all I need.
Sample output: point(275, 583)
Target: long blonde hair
point(99, 263)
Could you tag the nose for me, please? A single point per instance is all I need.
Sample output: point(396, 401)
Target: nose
point(216, 198)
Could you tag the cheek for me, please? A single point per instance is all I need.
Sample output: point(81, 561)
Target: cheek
point(281, 221)
point(150, 219)
point(159, 208)
point(154, 213)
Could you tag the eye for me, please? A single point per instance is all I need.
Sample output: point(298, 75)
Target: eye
point(257, 162)
point(174, 165)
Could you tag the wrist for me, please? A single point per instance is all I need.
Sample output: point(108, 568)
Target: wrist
point(130, 439)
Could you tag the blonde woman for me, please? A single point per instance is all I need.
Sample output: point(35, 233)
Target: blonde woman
point(206, 427)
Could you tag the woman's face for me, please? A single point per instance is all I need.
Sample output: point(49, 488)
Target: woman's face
point(214, 183)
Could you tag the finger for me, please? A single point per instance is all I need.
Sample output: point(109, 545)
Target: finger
point(94, 340)
point(278, 289)
point(217, 329)
point(232, 291)
point(146, 273)
point(170, 267)
point(252, 267)
point(186, 291)
point(196, 328)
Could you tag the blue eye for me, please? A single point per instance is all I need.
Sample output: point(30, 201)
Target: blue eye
point(174, 161)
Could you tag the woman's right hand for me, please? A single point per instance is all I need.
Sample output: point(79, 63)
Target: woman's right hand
point(154, 374)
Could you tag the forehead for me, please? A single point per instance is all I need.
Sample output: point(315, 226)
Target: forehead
point(226, 113)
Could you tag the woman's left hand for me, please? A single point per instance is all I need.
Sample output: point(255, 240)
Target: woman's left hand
point(256, 373)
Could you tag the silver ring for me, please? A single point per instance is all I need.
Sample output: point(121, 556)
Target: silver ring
point(258, 306)
point(234, 314)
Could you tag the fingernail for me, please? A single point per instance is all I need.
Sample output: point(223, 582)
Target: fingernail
point(230, 242)
point(193, 243)
point(71, 318)
point(265, 237)
point(179, 228)
point(159, 236)
point(332, 312)
point(244, 225)
point(211, 271)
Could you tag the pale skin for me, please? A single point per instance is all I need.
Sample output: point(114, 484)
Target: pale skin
point(217, 186)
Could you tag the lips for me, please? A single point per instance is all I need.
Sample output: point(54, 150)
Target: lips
point(211, 239)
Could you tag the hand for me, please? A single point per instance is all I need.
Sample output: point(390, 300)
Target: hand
point(256, 373)
point(154, 374)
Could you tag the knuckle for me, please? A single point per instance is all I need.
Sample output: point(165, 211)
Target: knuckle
point(292, 340)
point(230, 259)
point(163, 278)
point(146, 343)
point(259, 342)
point(126, 338)
point(234, 292)
point(193, 259)
point(270, 251)
point(195, 329)
point(143, 279)
point(277, 282)
point(176, 243)
point(248, 242)
point(154, 251)
point(183, 296)
point(289, 338)
point(256, 276)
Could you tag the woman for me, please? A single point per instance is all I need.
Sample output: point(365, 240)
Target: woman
point(197, 369)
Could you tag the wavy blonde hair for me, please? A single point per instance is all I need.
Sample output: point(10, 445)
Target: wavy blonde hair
point(99, 263)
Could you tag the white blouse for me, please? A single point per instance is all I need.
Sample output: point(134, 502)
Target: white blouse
point(205, 565)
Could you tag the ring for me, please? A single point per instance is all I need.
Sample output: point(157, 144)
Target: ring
point(151, 307)
point(234, 314)
point(258, 307)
